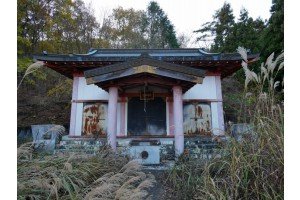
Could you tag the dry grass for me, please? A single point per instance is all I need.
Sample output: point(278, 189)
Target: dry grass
point(252, 168)
point(25, 151)
point(79, 176)
point(129, 183)
point(32, 68)
point(63, 176)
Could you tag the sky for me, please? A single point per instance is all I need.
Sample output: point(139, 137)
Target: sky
point(186, 15)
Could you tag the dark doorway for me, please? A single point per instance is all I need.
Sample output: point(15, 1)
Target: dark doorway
point(146, 118)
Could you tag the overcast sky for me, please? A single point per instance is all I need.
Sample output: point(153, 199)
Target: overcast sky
point(186, 15)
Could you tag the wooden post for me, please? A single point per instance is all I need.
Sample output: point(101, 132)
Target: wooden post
point(112, 117)
point(178, 120)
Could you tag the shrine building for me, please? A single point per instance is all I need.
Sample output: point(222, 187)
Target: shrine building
point(146, 95)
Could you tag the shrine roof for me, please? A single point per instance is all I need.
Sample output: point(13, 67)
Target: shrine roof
point(144, 70)
point(68, 64)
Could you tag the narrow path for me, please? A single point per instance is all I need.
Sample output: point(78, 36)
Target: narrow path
point(159, 191)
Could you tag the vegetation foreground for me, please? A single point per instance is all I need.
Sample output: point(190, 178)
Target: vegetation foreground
point(252, 168)
point(101, 176)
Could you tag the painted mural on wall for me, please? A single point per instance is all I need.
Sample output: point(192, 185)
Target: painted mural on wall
point(94, 119)
point(196, 118)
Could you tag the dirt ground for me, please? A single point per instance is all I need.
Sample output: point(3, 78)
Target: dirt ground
point(160, 191)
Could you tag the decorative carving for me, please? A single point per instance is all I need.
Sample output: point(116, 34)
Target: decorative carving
point(145, 69)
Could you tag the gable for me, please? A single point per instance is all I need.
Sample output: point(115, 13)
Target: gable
point(147, 70)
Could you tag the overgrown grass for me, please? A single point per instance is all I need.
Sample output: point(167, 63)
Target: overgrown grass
point(63, 176)
point(252, 168)
point(80, 176)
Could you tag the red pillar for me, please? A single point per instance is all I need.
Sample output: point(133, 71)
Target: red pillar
point(112, 117)
point(178, 120)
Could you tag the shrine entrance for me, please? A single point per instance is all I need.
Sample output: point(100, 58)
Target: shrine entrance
point(146, 117)
point(146, 113)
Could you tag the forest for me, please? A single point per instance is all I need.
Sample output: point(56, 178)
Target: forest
point(252, 168)
point(71, 27)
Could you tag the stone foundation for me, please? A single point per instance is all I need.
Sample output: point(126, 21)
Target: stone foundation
point(196, 147)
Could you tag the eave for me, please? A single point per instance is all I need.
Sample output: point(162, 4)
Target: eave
point(144, 71)
point(220, 63)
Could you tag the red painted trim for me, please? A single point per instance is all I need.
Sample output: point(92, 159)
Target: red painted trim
point(78, 74)
point(168, 95)
point(169, 99)
point(212, 73)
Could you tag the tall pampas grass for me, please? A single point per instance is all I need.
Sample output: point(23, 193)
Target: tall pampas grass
point(25, 151)
point(59, 129)
point(252, 168)
point(61, 176)
point(32, 68)
point(77, 176)
point(129, 183)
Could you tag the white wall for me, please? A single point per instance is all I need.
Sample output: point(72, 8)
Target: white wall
point(206, 90)
point(86, 92)
point(90, 92)
point(210, 89)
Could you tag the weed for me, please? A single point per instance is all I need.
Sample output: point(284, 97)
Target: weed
point(249, 169)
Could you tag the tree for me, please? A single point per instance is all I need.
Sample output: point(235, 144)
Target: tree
point(129, 28)
point(273, 36)
point(219, 29)
point(227, 35)
point(183, 40)
point(161, 33)
point(125, 28)
point(58, 27)
point(32, 22)
point(245, 32)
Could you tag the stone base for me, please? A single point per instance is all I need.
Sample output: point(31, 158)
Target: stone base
point(195, 147)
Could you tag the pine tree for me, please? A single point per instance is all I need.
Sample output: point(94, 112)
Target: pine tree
point(161, 31)
point(273, 37)
point(246, 32)
point(226, 34)
point(219, 29)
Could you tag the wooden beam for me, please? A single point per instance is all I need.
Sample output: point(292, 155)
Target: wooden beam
point(151, 71)
point(143, 61)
